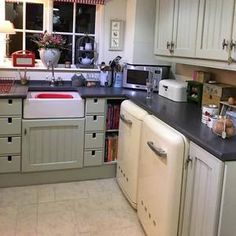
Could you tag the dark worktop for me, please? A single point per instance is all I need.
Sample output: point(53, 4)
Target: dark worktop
point(184, 117)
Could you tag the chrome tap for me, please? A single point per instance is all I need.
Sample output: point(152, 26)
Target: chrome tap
point(53, 79)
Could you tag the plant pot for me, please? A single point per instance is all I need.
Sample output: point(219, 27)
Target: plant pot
point(49, 56)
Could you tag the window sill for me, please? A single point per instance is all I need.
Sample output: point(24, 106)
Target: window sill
point(7, 65)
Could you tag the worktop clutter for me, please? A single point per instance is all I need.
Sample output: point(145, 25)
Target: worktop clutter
point(217, 100)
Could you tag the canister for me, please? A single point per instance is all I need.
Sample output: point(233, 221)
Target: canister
point(210, 110)
point(204, 119)
point(211, 121)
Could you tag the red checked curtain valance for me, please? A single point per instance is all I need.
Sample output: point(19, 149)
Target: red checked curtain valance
point(92, 2)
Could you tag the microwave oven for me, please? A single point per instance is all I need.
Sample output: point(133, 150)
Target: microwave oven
point(135, 75)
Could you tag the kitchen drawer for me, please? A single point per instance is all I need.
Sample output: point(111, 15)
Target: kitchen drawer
point(10, 125)
point(95, 105)
point(94, 140)
point(10, 145)
point(9, 164)
point(93, 157)
point(10, 107)
point(94, 122)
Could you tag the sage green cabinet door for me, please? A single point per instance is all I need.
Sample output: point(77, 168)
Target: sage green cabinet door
point(185, 28)
point(51, 144)
point(164, 26)
point(214, 27)
point(203, 193)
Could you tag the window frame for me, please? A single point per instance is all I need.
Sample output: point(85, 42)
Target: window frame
point(48, 23)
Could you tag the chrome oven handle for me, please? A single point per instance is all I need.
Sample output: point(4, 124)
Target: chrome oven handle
point(158, 151)
point(128, 122)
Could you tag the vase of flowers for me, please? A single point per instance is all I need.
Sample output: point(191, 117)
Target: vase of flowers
point(49, 48)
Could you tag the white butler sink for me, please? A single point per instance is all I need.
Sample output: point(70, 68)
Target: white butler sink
point(53, 105)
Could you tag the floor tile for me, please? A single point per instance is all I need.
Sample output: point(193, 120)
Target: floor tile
point(26, 223)
point(46, 193)
point(86, 208)
point(8, 217)
point(68, 191)
point(18, 196)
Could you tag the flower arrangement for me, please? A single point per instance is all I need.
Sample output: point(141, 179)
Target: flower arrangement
point(47, 40)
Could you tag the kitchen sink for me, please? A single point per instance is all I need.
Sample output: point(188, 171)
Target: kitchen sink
point(53, 105)
point(54, 96)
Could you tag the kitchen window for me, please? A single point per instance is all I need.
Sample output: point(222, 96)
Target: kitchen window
point(30, 17)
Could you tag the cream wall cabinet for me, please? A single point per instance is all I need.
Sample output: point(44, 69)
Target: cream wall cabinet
point(51, 144)
point(176, 27)
point(10, 135)
point(203, 193)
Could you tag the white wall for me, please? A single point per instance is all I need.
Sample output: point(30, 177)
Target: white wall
point(113, 9)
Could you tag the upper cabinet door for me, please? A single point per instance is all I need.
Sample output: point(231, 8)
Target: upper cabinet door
point(214, 29)
point(233, 41)
point(185, 30)
point(164, 26)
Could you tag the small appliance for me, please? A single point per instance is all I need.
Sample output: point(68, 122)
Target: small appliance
point(175, 90)
point(135, 75)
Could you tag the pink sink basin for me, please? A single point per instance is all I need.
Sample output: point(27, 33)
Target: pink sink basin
point(54, 95)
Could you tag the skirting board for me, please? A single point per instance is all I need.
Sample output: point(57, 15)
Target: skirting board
point(48, 177)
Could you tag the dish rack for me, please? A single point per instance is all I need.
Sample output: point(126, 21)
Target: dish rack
point(6, 84)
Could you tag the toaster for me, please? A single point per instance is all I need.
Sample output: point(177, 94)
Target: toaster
point(175, 90)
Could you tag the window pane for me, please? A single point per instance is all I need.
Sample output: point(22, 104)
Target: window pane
point(14, 13)
point(62, 17)
point(15, 42)
point(30, 45)
point(80, 42)
point(66, 54)
point(34, 16)
point(85, 18)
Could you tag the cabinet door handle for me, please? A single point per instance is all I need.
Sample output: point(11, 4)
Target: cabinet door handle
point(128, 122)
point(158, 151)
point(172, 44)
point(25, 132)
point(224, 44)
point(168, 45)
point(189, 160)
point(232, 45)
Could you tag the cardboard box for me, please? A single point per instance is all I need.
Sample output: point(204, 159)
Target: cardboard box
point(214, 93)
point(201, 76)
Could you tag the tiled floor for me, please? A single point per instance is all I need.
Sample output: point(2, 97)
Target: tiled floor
point(87, 208)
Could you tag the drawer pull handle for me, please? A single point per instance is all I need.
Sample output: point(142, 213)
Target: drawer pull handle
point(128, 122)
point(158, 151)
point(9, 139)
point(9, 101)
point(93, 153)
point(94, 135)
point(9, 120)
point(9, 158)
point(94, 117)
point(95, 100)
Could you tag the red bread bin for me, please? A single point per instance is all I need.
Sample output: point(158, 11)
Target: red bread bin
point(23, 58)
